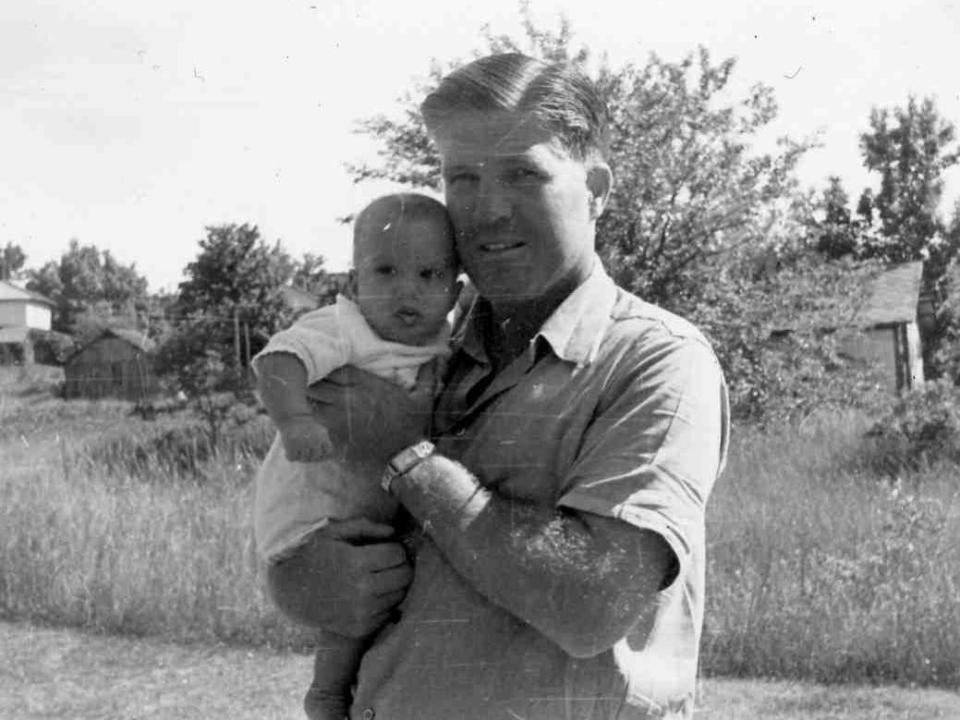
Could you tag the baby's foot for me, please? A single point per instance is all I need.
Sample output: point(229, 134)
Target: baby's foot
point(321, 704)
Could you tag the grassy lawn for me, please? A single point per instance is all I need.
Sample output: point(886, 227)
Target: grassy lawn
point(55, 673)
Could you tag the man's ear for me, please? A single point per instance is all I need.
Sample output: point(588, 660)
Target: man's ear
point(599, 183)
point(350, 290)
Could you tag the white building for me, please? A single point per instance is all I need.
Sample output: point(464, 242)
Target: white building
point(21, 308)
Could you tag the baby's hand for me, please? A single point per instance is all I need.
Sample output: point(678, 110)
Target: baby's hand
point(305, 440)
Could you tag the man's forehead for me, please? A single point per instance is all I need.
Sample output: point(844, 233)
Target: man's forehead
point(482, 136)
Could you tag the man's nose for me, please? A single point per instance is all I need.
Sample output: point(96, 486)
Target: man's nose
point(493, 202)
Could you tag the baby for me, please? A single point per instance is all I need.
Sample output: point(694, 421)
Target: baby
point(401, 290)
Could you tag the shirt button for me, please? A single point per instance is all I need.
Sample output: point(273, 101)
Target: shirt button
point(368, 714)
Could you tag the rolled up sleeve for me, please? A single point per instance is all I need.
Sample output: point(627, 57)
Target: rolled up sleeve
point(657, 444)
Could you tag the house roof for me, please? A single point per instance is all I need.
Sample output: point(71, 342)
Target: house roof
point(893, 297)
point(11, 293)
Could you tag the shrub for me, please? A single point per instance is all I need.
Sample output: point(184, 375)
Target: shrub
point(922, 428)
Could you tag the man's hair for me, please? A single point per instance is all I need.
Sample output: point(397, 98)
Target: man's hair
point(398, 208)
point(558, 95)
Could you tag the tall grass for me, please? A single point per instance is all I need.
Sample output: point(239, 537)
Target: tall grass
point(817, 567)
point(163, 550)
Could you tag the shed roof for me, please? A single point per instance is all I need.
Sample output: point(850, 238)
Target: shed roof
point(132, 337)
point(11, 293)
point(893, 298)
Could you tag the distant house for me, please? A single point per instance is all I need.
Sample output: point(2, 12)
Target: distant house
point(885, 329)
point(20, 312)
point(23, 308)
point(117, 363)
point(889, 320)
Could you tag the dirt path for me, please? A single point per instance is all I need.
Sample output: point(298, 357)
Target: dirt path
point(65, 674)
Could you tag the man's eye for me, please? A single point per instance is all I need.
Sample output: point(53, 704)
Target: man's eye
point(522, 174)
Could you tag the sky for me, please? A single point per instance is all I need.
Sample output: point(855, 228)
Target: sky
point(132, 124)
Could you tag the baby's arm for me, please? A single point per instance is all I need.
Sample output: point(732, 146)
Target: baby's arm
point(282, 384)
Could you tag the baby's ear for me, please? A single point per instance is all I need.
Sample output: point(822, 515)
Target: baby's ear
point(350, 289)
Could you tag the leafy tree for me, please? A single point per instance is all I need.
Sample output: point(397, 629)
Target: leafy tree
point(90, 286)
point(910, 147)
point(12, 259)
point(226, 309)
point(687, 186)
point(838, 231)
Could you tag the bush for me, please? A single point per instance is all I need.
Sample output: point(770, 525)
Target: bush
point(922, 428)
point(50, 347)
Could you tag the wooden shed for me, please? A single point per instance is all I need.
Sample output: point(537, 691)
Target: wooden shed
point(117, 363)
point(888, 320)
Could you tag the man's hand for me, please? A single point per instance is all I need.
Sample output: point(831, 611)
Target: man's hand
point(371, 418)
point(305, 439)
point(347, 578)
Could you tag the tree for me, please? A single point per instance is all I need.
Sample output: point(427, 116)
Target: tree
point(228, 306)
point(12, 259)
point(838, 231)
point(90, 289)
point(910, 148)
point(687, 187)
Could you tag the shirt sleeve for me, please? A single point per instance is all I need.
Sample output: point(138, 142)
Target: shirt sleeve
point(657, 444)
point(317, 339)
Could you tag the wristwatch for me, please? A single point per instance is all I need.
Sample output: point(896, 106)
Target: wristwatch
point(404, 461)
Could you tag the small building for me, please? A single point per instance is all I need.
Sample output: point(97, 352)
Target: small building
point(23, 308)
point(15, 346)
point(117, 363)
point(325, 293)
point(889, 322)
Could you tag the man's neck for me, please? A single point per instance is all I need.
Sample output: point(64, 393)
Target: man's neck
point(513, 324)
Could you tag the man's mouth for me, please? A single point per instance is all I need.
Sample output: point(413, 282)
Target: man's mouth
point(499, 247)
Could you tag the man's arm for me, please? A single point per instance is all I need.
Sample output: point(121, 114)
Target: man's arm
point(581, 579)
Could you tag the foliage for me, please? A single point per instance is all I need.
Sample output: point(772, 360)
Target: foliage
point(310, 276)
point(776, 328)
point(90, 287)
point(225, 311)
point(687, 186)
point(922, 428)
point(51, 347)
point(12, 259)
point(910, 147)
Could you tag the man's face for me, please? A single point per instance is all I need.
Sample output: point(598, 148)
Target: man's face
point(524, 209)
point(405, 278)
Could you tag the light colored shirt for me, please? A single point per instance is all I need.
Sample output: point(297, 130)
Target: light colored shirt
point(337, 335)
point(618, 408)
point(293, 499)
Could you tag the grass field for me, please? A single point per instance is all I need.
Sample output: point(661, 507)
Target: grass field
point(819, 569)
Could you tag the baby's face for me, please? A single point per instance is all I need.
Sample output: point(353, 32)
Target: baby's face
point(406, 279)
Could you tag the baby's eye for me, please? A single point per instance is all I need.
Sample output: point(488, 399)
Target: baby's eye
point(385, 270)
point(432, 274)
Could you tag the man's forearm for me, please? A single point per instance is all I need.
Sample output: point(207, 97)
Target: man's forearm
point(580, 579)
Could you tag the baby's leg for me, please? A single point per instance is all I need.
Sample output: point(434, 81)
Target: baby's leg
point(334, 670)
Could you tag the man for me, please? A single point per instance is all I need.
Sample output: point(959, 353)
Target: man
point(579, 433)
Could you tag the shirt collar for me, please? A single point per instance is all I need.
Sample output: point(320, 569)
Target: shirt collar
point(573, 330)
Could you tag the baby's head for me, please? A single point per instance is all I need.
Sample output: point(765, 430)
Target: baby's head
point(405, 267)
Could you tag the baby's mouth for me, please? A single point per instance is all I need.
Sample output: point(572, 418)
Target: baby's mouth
point(408, 316)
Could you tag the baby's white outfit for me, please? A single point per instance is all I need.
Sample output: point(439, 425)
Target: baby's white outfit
point(294, 498)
